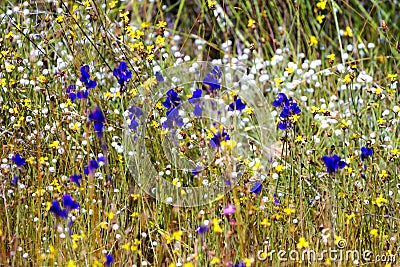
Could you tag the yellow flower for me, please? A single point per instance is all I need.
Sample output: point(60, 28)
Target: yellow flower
point(161, 24)
point(279, 168)
point(278, 81)
point(55, 144)
point(71, 263)
point(300, 138)
point(348, 32)
point(248, 262)
point(86, 3)
point(211, 3)
point(374, 232)
point(145, 25)
point(294, 118)
point(43, 160)
point(113, 4)
point(177, 235)
point(30, 160)
point(60, 18)
point(383, 174)
point(265, 222)
point(160, 40)
point(313, 40)
point(124, 16)
point(302, 243)
point(381, 121)
point(320, 18)
point(110, 215)
point(288, 211)
point(321, 5)
point(289, 70)
point(331, 57)
point(104, 225)
point(249, 110)
point(126, 246)
point(392, 77)
point(251, 23)
point(379, 201)
point(10, 68)
point(188, 264)
point(215, 260)
point(350, 217)
point(228, 144)
point(347, 79)
point(216, 227)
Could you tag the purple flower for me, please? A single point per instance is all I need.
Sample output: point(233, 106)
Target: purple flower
point(219, 136)
point(14, 181)
point(212, 82)
point(173, 119)
point(256, 189)
point(333, 163)
point(72, 97)
point(85, 77)
point(195, 100)
point(202, 229)
point(135, 113)
point(289, 108)
point(159, 77)
point(69, 203)
point(196, 170)
point(83, 94)
point(230, 209)
point(276, 200)
point(56, 209)
point(211, 79)
point(366, 152)
point(109, 260)
point(237, 105)
point(70, 88)
point(18, 160)
point(97, 117)
point(241, 264)
point(76, 179)
point(122, 73)
point(172, 101)
point(280, 101)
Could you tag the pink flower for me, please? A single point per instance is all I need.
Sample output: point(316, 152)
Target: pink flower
point(230, 209)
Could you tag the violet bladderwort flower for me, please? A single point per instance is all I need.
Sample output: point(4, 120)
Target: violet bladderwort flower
point(289, 113)
point(134, 114)
point(85, 77)
point(211, 80)
point(366, 152)
point(256, 188)
point(173, 100)
point(237, 105)
point(76, 179)
point(123, 74)
point(17, 159)
point(218, 137)
point(97, 117)
point(333, 163)
point(195, 100)
point(57, 210)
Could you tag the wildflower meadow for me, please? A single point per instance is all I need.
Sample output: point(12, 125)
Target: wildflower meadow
point(199, 133)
